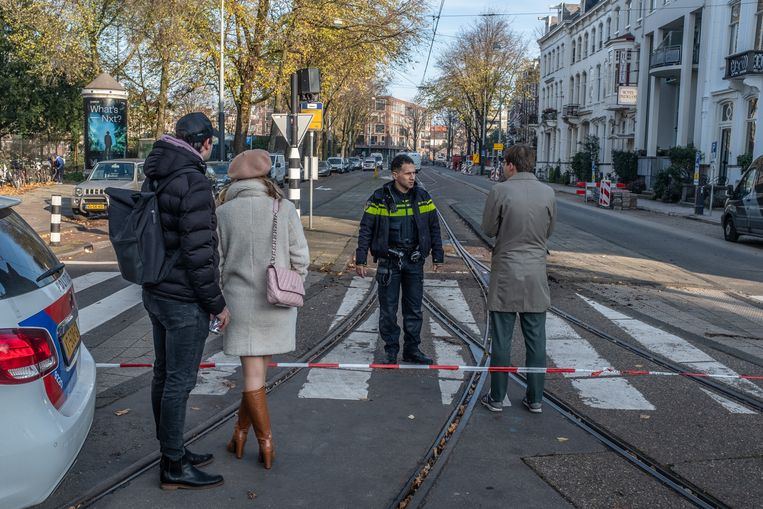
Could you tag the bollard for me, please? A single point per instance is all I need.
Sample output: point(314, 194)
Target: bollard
point(55, 219)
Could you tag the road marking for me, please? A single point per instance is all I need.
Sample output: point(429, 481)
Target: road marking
point(82, 262)
point(732, 406)
point(673, 347)
point(104, 310)
point(358, 347)
point(449, 354)
point(449, 296)
point(565, 347)
point(214, 381)
point(353, 296)
point(91, 279)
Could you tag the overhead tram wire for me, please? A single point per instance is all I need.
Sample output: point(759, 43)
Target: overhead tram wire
point(431, 44)
point(545, 13)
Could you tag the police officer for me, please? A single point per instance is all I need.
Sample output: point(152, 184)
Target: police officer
point(400, 227)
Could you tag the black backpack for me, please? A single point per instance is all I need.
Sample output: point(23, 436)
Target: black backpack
point(135, 231)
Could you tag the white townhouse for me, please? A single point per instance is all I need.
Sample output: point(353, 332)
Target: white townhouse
point(589, 66)
point(701, 81)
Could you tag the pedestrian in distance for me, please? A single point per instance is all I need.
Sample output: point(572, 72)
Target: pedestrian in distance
point(400, 227)
point(258, 329)
point(182, 304)
point(57, 162)
point(520, 213)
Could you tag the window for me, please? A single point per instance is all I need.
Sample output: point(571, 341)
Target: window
point(759, 26)
point(24, 257)
point(747, 184)
point(609, 28)
point(617, 21)
point(601, 35)
point(593, 41)
point(734, 27)
point(752, 112)
point(379, 128)
point(374, 140)
point(585, 45)
point(573, 52)
point(727, 112)
point(380, 105)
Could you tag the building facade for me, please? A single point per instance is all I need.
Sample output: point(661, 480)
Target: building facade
point(705, 75)
point(589, 68)
point(392, 126)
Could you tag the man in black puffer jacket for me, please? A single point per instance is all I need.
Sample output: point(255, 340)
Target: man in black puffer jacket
point(181, 305)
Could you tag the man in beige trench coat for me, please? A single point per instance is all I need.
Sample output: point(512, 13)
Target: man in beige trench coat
point(520, 213)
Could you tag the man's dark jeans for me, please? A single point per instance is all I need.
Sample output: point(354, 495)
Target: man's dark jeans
point(392, 277)
point(180, 331)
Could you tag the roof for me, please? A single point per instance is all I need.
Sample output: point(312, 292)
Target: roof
point(6, 202)
point(124, 160)
point(104, 81)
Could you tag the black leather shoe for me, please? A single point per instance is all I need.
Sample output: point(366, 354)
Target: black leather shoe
point(180, 474)
point(417, 358)
point(391, 358)
point(198, 460)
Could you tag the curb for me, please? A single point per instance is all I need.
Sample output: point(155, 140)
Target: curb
point(94, 246)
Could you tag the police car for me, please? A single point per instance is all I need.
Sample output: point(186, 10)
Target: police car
point(47, 376)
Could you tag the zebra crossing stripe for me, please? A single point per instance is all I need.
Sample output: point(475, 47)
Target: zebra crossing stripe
point(100, 312)
point(90, 279)
point(676, 349)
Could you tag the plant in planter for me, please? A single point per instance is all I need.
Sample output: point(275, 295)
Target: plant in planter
point(744, 160)
point(625, 165)
point(582, 162)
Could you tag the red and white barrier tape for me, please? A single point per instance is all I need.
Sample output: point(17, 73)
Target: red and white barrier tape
point(453, 367)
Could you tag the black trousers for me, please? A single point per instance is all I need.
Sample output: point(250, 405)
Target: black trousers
point(392, 278)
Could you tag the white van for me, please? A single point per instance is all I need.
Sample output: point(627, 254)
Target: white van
point(416, 158)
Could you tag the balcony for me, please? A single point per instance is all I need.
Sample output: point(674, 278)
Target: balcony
point(744, 64)
point(549, 114)
point(571, 111)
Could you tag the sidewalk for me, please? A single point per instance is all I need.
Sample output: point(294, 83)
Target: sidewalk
point(668, 209)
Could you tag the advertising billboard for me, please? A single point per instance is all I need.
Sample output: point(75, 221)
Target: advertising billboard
point(105, 129)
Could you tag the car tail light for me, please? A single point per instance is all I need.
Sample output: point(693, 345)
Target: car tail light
point(25, 355)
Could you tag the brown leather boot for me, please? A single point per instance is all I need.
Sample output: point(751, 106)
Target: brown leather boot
point(257, 405)
point(240, 430)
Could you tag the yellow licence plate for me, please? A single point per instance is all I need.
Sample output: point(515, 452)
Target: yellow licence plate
point(95, 206)
point(70, 342)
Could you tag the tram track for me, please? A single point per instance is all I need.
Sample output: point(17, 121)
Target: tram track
point(653, 468)
point(149, 461)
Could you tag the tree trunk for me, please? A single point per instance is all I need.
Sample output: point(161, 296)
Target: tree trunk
point(161, 108)
point(243, 112)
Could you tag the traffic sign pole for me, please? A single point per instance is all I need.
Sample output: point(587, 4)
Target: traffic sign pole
point(294, 139)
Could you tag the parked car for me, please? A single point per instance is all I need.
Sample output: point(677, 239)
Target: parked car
point(379, 159)
point(347, 164)
point(416, 158)
point(355, 163)
point(278, 169)
point(47, 375)
point(324, 169)
point(743, 211)
point(89, 196)
point(369, 164)
point(217, 172)
point(336, 163)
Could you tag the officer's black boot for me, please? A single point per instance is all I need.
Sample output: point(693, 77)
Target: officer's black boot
point(416, 357)
point(180, 474)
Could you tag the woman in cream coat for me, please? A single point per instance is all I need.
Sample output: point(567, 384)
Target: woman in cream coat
point(257, 328)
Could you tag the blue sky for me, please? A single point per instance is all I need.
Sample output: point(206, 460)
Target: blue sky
point(456, 16)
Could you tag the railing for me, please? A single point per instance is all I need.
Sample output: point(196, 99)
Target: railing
point(742, 64)
point(666, 55)
point(549, 114)
point(571, 110)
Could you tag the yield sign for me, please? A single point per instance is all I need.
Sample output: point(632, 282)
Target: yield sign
point(282, 123)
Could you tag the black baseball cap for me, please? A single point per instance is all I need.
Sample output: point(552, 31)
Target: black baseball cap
point(194, 127)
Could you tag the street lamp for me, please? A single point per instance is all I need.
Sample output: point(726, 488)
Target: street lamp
point(221, 97)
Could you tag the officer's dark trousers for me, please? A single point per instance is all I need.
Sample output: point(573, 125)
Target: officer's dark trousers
point(393, 277)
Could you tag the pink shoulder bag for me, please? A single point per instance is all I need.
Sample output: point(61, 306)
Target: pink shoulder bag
point(285, 287)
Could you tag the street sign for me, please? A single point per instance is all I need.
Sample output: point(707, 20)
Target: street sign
point(696, 167)
point(713, 150)
point(476, 158)
point(316, 110)
point(281, 120)
point(497, 146)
